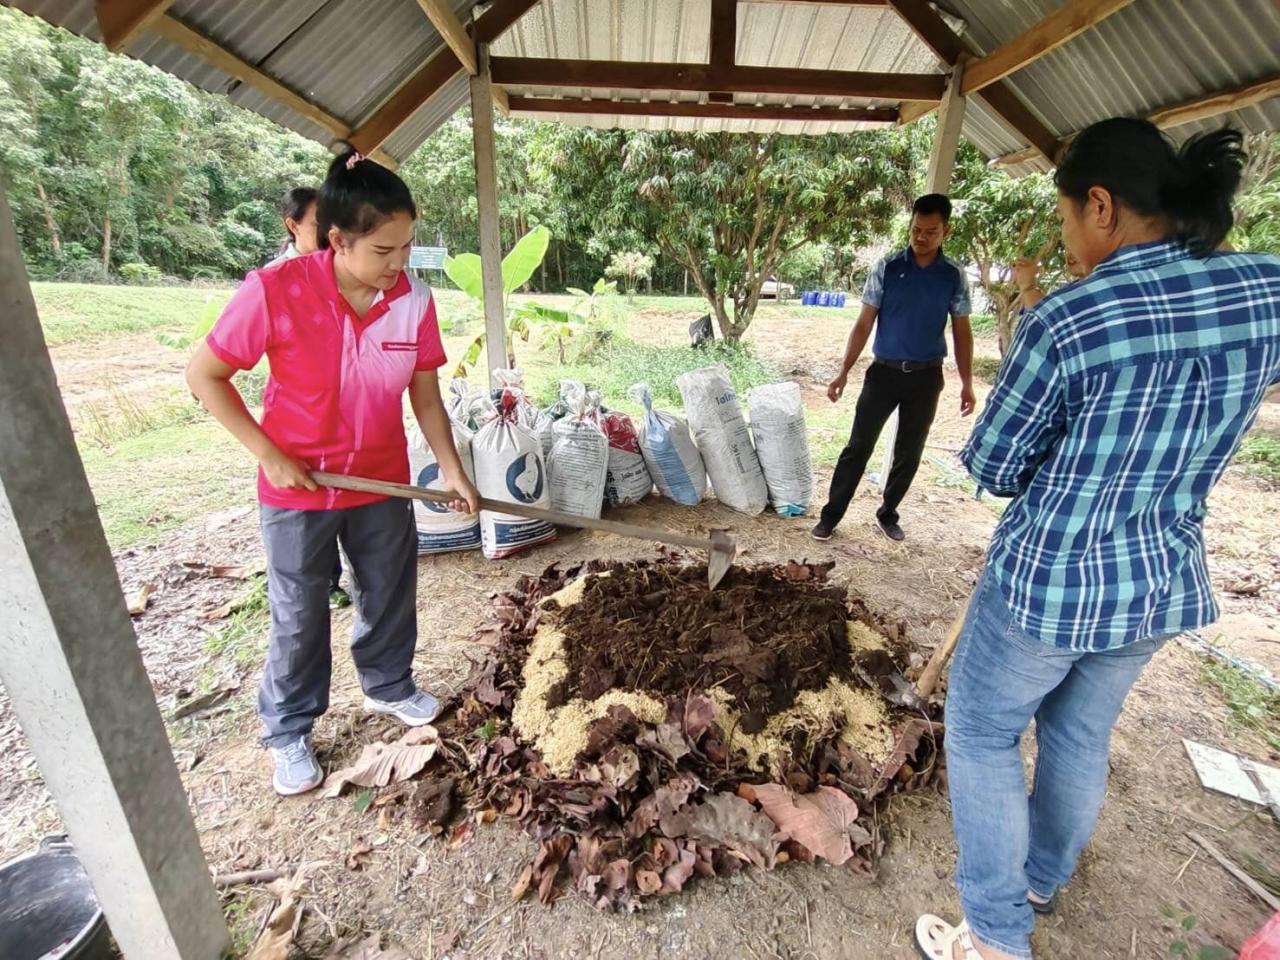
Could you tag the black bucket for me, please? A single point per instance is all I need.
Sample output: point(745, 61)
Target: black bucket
point(48, 910)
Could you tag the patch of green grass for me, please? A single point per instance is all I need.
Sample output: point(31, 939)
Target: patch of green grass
point(613, 366)
point(982, 323)
point(243, 640)
point(1253, 707)
point(1262, 455)
point(159, 480)
point(986, 369)
point(89, 313)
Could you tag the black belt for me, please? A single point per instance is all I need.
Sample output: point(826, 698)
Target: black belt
point(909, 366)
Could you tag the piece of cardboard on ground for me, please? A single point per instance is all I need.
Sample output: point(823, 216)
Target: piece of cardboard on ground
point(1228, 773)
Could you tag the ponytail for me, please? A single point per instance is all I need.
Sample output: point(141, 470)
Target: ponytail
point(358, 196)
point(1191, 188)
point(1211, 165)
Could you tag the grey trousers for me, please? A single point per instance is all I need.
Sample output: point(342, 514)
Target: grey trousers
point(380, 545)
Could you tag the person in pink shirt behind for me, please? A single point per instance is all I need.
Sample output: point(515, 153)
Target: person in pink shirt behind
point(345, 332)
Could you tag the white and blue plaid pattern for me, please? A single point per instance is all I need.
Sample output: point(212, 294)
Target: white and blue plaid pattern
point(1122, 400)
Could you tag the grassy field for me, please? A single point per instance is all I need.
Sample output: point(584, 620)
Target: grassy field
point(84, 313)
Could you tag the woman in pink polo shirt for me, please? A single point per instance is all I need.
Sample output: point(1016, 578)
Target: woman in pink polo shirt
point(345, 331)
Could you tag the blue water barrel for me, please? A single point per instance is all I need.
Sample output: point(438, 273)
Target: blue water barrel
point(824, 299)
point(840, 298)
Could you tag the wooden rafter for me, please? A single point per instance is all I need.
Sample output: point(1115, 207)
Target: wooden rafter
point(1059, 27)
point(948, 47)
point(122, 21)
point(1205, 107)
point(701, 77)
point(454, 33)
point(822, 3)
point(1216, 104)
point(724, 33)
point(720, 111)
point(411, 95)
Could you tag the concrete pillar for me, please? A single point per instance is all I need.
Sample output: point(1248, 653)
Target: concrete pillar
point(946, 141)
point(70, 663)
point(495, 324)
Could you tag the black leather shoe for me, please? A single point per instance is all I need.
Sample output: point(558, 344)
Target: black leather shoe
point(822, 531)
point(891, 530)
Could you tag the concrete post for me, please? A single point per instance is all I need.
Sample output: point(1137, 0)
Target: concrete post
point(70, 663)
point(495, 324)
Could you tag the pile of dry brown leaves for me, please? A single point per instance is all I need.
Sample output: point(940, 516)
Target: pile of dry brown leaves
point(649, 806)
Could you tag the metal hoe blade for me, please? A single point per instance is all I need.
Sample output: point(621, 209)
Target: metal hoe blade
point(719, 557)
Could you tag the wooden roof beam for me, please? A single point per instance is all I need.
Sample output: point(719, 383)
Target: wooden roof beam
point(1215, 104)
point(1064, 24)
point(705, 78)
point(719, 111)
point(123, 21)
point(179, 34)
point(454, 33)
point(1205, 107)
point(499, 18)
point(948, 47)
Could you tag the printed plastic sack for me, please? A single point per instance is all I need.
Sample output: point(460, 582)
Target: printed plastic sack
point(512, 382)
point(441, 530)
point(776, 412)
point(1265, 944)
point(463, 403)
point(628, 479)
point(669, 452)
point(579, 459)
point(723, 438)
point(545, 421)
point(509, 467)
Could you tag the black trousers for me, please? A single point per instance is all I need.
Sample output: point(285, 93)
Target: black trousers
point(915, 396)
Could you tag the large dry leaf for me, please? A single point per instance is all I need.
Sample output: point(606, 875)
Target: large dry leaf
point(274, 941)
point(369, 948)
point(818, 821)
point(726, 820)
point(380, 763)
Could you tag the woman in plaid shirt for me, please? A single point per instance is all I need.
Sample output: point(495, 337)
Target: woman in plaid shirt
point(1123, 399)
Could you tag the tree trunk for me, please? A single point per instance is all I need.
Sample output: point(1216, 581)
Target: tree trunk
point(1005, 315)
point(55, 239)
point(723, 322)
point(106, 242)
point(686, 283)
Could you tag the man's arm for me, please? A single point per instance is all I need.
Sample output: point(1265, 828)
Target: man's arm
point(962, 336)
point(853, 348)
point(1025, 415)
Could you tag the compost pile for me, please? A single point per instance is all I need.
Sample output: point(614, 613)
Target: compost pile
point(647, 730)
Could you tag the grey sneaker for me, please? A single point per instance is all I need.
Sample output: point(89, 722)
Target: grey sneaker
point(296, 768)
point(416, 710)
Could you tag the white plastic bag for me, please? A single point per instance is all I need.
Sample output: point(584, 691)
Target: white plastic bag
point(723, 438)
point(509, 467)
point(669, 452)
point(511, 382)
point(441, 530)
point(628, 480)
point(782, 444)
point(544, 422)
point(579, 459)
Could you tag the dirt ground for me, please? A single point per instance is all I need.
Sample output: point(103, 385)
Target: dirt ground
point(437, 899)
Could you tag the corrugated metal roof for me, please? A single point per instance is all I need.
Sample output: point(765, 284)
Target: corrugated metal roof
point(345, 56)
point(348, 56)
point(1153, 53)
point(818, 37)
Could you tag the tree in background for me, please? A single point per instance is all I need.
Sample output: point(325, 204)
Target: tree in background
point(998, 220)
point(1258, 202)
point(729, 207)
point(630, 266)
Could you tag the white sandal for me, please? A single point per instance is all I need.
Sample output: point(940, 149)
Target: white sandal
point(936, 939)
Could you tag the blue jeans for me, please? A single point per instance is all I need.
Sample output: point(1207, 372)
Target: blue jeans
point(1010, 843)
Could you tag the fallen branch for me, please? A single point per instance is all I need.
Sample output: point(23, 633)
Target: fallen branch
point(1254, 887)
point(224, 880)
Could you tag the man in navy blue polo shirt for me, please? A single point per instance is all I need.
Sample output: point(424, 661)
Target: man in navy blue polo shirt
point(910, 294)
